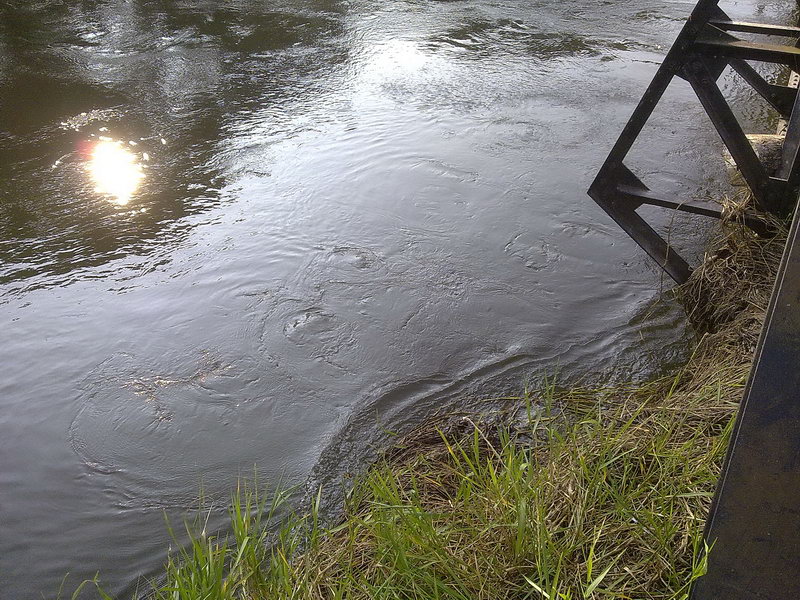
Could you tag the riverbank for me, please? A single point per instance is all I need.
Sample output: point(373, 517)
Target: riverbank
point(583, 493)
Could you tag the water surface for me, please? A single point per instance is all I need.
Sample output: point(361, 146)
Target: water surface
point(312, 222)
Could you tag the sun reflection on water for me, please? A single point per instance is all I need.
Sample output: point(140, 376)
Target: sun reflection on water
point(115, 171)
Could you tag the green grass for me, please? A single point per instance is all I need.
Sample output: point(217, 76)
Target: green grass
point(602, 494)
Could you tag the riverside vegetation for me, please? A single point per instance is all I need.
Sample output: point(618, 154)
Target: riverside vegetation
point(601, 493)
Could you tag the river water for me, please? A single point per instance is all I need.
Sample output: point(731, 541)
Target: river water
point(241, 236)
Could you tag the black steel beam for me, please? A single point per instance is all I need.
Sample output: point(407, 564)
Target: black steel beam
point(646, 237)
point(789, 169)
point(726, 124)
point(780, 97)
point(614, 173)
point(754, 524)
point(670, 67)
point(639, 197)
point(605, 191)
point(773, 53)
point(700, 54)
point(760, 28)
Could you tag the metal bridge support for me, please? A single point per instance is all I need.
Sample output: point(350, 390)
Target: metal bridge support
point(702, 50)
point(754, 523)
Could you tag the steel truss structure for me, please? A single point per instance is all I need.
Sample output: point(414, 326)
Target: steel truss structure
point(703, 49)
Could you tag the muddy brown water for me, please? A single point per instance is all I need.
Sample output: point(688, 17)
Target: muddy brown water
point(251, 235)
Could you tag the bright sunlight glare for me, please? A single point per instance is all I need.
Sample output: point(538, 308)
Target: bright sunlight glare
point(115, 171)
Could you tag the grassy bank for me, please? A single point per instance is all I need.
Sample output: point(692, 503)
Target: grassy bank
point(600, 493)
